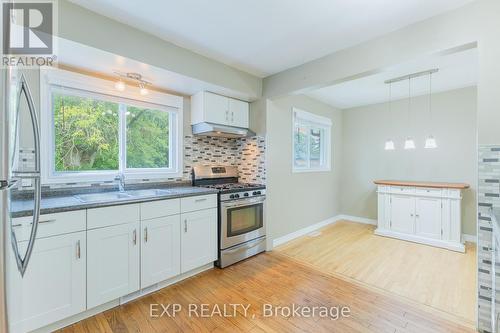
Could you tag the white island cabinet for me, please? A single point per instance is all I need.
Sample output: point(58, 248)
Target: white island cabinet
point(421, 212)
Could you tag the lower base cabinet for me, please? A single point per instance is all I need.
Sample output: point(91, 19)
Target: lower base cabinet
point(54, 285)
point(112, 263)
point(160, 250)
point(198, 239)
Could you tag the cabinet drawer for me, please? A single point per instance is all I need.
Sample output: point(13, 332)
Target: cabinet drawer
point(155, 209)
point(429, 192)
point(402, 190)
point(191, 204)
point(50, 224)
point(108, 216)
point(453, 193)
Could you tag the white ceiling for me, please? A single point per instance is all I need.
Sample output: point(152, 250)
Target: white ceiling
point(264, 37)
point(88, 59)
point(457, 70)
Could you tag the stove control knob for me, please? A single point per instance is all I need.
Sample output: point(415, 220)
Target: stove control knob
point(231, 196)
point(254, 193)
point(236, 196)
point(246, 194)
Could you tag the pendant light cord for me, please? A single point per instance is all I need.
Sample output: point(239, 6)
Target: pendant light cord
point(430, 99)
point(409, 104)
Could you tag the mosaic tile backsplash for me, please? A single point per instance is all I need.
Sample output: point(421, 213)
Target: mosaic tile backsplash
point(248, 154)
point(488, 199)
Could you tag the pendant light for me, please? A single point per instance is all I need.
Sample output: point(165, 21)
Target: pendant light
point(430, 142)
point(409, 143)
point(389, 144)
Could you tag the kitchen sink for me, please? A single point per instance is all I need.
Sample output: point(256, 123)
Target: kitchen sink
point(149, 193)
point(106, 196)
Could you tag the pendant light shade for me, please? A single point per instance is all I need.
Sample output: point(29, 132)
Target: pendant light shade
point(409, 144)
point(389, 145)
point(430, 142)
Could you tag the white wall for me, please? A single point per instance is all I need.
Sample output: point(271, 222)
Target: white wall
point(364, 159)
point(88, 28)
point(297, 200)
point(477, 22)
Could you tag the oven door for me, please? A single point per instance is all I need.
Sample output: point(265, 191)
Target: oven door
point(241, 221)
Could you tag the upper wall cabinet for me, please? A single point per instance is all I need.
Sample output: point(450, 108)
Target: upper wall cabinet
point(217, 109)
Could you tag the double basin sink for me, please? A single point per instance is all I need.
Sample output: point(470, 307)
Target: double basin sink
point(114, 196)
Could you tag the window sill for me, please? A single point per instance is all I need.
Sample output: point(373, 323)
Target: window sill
point(311, 170)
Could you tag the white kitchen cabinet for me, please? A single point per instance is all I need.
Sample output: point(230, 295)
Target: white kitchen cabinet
point(217, 109)
point(112, 262)
point(54, 286)
point(161, 249)
point(427, 215)
point(198, 238)
point(402, 213)
point(239, 113)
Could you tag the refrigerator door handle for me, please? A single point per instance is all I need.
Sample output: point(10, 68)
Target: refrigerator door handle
point(22, 263)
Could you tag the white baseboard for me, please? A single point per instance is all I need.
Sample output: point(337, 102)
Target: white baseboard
point(459, 247)
point(357, 219)
point(304, 231)
point(469, 238)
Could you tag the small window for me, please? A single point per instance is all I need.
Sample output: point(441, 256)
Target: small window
point(311, 142)
point(91, 133)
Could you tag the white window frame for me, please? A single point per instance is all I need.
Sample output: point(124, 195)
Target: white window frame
point(52, 79)
point(304, 118)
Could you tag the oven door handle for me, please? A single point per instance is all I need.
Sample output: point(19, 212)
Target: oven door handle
point(246, 246)
point(243, 202)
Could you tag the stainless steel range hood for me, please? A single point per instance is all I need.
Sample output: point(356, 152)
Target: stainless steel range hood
point(210, 129)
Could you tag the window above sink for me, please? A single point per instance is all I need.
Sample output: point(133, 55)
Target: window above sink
point(92, 132)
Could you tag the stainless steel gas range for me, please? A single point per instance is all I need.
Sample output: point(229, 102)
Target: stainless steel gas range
point(242, 229)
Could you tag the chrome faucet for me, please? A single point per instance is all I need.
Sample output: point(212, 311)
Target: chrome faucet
point(120, 178)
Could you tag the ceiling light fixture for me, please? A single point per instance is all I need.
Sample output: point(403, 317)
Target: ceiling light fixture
point(134, 77)
point(120, 85)
point(430, 142)
point(143, 90)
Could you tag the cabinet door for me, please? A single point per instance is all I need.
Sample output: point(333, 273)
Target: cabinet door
point(216, 109)
point(428, 217)
point(238, 113)
point(198, 238)
point(53, 287)
point(402, 214)
point(161, 250)
point(112, 263)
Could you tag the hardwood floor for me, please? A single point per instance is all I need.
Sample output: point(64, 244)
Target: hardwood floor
point(439, 278)
point(275, 279)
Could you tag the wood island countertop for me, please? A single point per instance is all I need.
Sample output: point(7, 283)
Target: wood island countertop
point(460, 186)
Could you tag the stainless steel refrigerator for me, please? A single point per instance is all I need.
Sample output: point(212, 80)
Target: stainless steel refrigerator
point(19, 130)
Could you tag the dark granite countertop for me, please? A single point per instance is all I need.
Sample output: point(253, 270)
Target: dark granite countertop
point(57, 204)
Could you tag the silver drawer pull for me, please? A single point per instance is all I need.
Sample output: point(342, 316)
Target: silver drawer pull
point(46, 221)
point(146, 235)
point(78, 250)
point(200, 200)
point(17, 225)
point(185, 226)
point(134, 237)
